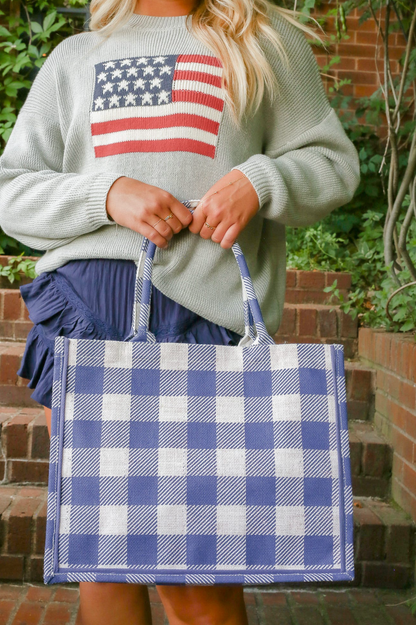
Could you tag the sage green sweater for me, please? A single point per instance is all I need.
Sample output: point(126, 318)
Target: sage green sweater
point(147, 103)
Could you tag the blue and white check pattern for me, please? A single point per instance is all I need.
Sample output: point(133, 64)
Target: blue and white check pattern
point(198, 464)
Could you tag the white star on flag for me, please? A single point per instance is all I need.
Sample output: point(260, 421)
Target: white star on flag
point(139, 83)
point(123, 84)
point(108, 87)
point(102, 76)
point(155, 82)
point(126, 62)
point(147, 98)
point(148, 70)
point(114, 100)
point(165, 70)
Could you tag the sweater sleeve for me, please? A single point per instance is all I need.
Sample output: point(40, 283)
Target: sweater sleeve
point(40, 205)
point(301, 176)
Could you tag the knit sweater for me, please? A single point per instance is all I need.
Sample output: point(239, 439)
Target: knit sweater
point(147, 103)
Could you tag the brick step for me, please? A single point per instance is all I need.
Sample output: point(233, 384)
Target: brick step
point(306, 287)
point(25, 452)
point(318, 323)
point(383, 539)
point(13, 389)
point(371, 461)
point(307, 311)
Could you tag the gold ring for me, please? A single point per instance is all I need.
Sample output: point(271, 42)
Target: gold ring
point(157, 222)
point(210, 227)
point(169, 217)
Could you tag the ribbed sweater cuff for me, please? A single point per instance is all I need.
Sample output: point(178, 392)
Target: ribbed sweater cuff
point(97, 198)
point(255, 168)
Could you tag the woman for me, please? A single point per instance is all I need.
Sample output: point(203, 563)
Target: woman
point(167, 100)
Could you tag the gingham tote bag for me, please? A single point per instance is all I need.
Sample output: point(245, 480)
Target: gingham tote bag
point(175, 463)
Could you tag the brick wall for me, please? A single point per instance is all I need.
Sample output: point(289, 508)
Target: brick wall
point(394, 358)
point(358, 54)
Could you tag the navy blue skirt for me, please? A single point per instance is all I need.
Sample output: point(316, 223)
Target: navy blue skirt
point(93, 299)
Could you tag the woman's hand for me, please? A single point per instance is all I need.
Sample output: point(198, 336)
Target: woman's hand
point(226, 207)
point(143, 208)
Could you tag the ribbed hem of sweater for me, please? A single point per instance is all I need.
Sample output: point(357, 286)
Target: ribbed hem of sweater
point(97, 200)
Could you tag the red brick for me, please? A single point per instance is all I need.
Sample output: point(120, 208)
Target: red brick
point(274, 598)
point(40, 529)
point(11, 567)
point(359, 78)
point(343, 280)
point(402, 444)
point(12, 304)
point(7, 591)
point(57, 614)
point(290, 278)
point(305, 598)
point(28, 614)
point(348, 325)
point(9, 364)
point(327, 323)
point(6, 608)
point(307, 321)
point(361, 384)
point(341, 615)
point(40, 438)
point(22, 329)
point(19, 535)
point(66, 595)
point(273, 616)
point(365, 336)
point(357, 410)
point(39, 593)
point(311, 279)
point(363, 91)
point(249, 598)
point(386, 575)
point(29, 471)
point(409, 477)
point(407, 394)
point(287, 324)
point(35, 569)
point(355, 454)
point(15, 433)
point(371, 535)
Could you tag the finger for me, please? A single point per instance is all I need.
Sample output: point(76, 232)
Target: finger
point(230, 236)
point(207, 231)
point(199, 218)
point(163, 228)
point(153, 235)
point(182, 214)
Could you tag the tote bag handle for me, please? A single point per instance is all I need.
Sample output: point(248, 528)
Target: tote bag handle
point(255, 329)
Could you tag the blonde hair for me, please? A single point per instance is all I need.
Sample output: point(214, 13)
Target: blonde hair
point(231, 30)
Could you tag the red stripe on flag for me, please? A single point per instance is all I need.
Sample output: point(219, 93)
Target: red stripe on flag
point(209, 79)
point(180, 95)
point(164, 121)
point(163, 145)
point(199, 58)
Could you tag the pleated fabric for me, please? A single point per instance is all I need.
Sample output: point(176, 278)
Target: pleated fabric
point(93, 299)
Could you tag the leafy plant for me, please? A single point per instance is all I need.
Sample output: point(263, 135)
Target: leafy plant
point(16, 266)
point(28, 33)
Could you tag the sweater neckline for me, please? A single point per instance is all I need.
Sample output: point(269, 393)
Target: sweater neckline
point(153, 22)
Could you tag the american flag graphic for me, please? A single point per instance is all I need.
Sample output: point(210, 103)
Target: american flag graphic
point(170, 103)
